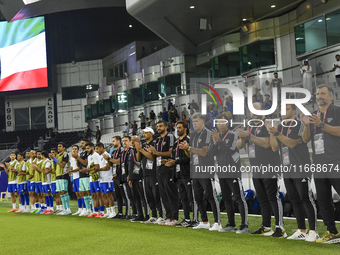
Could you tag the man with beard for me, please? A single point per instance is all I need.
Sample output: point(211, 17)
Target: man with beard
point(135, 175)
point(182, 163)
point(149, 173)
point(84, 178)
point(119, 186)
point(165, 174)
point(294, 152)
point(93, 161)
point(61, 163)
point(267, 190)
point(322, 128)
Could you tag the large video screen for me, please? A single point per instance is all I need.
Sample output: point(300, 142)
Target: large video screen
point(23, 55)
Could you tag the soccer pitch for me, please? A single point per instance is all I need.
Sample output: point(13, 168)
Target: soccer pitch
point(51, 234)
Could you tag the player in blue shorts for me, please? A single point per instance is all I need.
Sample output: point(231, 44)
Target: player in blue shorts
point(105, 181)
point(38, 184)
point(22, 184)
point(45, 171)
point(54, 192)
point(12, 180)
point(93, 161)
point(74, 170)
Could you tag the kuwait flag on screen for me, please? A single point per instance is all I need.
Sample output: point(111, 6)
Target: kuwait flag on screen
point(23, 55)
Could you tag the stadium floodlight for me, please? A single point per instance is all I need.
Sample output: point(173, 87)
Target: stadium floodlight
point(30, 1)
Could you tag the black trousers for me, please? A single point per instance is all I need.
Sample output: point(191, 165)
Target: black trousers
point(120, 195)
point(169, 194)
point(301, 197)
point(325, 200)
point(205, 187)
point(139, 198)
point(267, 193)
point(129, 194)
point(234, 186)
point(187, 199)
point(153, 196)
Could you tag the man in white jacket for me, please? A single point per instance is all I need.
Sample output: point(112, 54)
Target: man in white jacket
point(307, 74)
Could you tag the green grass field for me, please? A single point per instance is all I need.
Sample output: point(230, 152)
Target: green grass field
point(52, 234)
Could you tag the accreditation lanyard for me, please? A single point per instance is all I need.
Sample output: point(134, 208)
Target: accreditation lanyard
point(323, 121)
point(251, 129)
point(162, 142)
point(177, 147)
point(115, 154)
point(226, 135)
point(291, 122)
point(133, 155)
point(199, 138)
point(124, 156)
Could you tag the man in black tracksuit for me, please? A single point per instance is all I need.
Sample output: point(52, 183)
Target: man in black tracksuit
point(323, 129)
point(266, 186)
point(134, 178)
point(182, 163)
point(203, 187)
point(120, 191)
point(294, 152)
point(165, 175)
point(148, 164)
point(227, 154)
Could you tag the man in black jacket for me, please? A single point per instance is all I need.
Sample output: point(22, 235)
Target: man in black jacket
point(182, 163)
point(134, 178)
point(165, 175)
point(148, 163)
point(227, 154)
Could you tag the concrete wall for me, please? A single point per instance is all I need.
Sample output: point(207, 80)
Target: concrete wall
point(71, 114)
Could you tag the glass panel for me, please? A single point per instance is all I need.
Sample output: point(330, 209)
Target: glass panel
point(257, 54)
point(121, 101)
point(125, 66)
point(315, 34)
point(333, 28)
point(88, 112)
point(38, 118)
point(149, 92)
point(107, 107)
point(167, 85)
point(310, 36)
point(77, 92)
point(134, 97)
point(114, 102)
point(267, 50)
point(121, 71)
point(300, 39)
point(226, 65)
point(100, 108)
point(116, 71)
point(22, 121)
point(94, 111)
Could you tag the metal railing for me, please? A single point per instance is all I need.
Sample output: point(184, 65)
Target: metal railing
point(6, 146)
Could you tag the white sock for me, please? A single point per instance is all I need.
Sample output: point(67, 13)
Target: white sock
point(113, 210)
point(32, 207)
point(108, 210)
point(14, 205)
point(27, 207)
point(61, 207)
point(89, 211)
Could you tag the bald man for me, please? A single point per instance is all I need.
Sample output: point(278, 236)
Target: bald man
point(260, 154)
